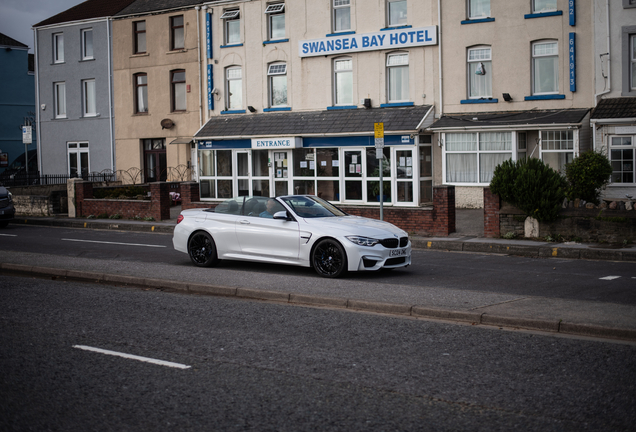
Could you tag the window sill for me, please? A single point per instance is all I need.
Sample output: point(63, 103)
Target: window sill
point(397, 104)
point(544, 97)
point(177, 51)
point(342, 33)
point(342, 107)
point(179, 112)
point(231, 46)
point(141, 113)
point(479, 101)
point(233, 112)
point(143, 54)
point(91, 115)
point(87, 60)
point(396, 27)
point(477, 20)
point(276, 109)
point(542, 14)
point(60, 118)
point(57, 63)
point(275, 41)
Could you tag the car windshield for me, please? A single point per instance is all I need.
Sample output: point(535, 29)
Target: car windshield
point(312, 207)
point(231, 206)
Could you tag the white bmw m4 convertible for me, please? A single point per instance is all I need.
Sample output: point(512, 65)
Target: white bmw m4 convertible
point(301, 230)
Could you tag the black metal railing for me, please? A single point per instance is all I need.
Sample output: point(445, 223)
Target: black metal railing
point(24, 179)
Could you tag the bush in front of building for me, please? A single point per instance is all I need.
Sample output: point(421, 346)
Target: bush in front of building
point(587, 175)
point(531, 186)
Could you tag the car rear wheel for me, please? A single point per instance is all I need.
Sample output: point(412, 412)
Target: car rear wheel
point(202, 249)
point(329, 259)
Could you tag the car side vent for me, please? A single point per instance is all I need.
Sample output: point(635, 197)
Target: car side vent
point(404, 241)
point(389, 243)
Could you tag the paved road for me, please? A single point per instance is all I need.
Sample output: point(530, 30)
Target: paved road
point(263, 366)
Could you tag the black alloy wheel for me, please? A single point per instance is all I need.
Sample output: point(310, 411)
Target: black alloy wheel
point(329, 259)
point(202, 249)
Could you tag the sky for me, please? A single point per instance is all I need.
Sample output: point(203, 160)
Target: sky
point(18, 16)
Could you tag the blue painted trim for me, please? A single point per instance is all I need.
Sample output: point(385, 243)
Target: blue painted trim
point(233, 112)
point(276, 109)
point(397, 104)
point(572, 62)
point(342, 107)
point(230, 46)
point(340, 34)
point(544, 14)
point(224, 144)
point(480, 20)
point(544, 97)
point(572, 12)
point(354, 141)
point(275, 41)
point(396, 28)
point(210, 87)
point(479, 101)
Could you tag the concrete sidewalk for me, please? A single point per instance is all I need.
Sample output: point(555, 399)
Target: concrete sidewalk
point(573, 317)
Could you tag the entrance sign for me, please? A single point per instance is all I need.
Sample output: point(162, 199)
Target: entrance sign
point(390, 39)
point(276, 143)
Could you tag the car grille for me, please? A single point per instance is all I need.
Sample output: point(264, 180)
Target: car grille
point(392, 243)
point(395, 261)
point(4, 202)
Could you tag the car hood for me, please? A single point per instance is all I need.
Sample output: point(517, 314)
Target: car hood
point(356, 225)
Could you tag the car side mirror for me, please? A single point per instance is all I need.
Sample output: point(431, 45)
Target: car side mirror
point(281, 215)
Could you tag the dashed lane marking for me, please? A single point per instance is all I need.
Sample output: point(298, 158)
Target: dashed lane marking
point(609, 277)
point(114, 243)
point(133, 357)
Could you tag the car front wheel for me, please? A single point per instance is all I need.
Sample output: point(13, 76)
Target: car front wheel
point(202, 249)
point(329, 259)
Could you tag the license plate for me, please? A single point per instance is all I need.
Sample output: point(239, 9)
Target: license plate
point(398, 252)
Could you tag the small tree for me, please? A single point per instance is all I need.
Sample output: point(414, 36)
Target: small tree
point(587, 175)
point(531, 186)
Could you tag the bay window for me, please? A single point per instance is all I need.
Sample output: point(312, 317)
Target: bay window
point(622, 158)
point(557, 149)
point(472, 157)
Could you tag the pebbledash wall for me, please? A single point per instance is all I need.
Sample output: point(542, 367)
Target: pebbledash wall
point(438, 219)
point(588, 225)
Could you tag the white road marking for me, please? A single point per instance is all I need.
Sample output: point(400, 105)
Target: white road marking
point(133, 357)
point(9, 235)
point(609, 277)
point(114, 243)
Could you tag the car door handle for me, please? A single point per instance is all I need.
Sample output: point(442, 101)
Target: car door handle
point(245, 222)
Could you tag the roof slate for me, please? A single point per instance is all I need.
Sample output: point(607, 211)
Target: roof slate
point(313, 122)
point(511, 118)
point(9, 41)
point(624, 107)
point(146, 6)
point(87, 10)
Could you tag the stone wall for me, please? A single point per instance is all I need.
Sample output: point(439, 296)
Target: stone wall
point(39, 200)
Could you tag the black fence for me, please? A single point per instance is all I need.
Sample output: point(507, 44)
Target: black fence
point(24, 179)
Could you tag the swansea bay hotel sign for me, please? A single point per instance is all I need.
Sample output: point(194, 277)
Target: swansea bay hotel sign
point(388, 39)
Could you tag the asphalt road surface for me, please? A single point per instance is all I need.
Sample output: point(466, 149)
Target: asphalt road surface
point(604, 281)
point(242, 365)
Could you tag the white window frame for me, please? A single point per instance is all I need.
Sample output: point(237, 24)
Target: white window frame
point(231, 17)
point(59, 96)
point(536, 57)
point(396, 61)
point(574, 151)
point(486, 61)
point(632, 57)
point(275, 10)
point(388, 13)
point(85, 54)
point(229, 71)
point(89, 108)
point(475, 15)
point(58, 48)
point(615, 147)
point(536, 5)
point(78, 148)
point(338, 5)
point(477, 151)
point(276, 70)
point(336, 71)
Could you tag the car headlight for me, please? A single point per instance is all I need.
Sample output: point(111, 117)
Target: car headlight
point(363, 241)
point(10, 197)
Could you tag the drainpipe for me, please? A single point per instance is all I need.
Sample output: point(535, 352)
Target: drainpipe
point(110, 95)
point(37, 103)
point(439, 50)
point(609, 57)
point(198, 8)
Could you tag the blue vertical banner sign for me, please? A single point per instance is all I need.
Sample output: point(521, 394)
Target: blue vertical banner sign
point(572, 57)
point(208, 33)
point(572, 7)
point(210, 88)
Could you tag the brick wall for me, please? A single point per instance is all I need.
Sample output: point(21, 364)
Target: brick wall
point(438, 220)
point(492, 206)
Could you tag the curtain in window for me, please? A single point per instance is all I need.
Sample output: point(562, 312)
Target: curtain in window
point(479, 8)
point(399, 83)
point(461, 168)
point(461, 141)
point(487, 164)
point(495, 141)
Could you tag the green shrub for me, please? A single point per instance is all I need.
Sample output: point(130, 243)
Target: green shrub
point(531, 186)
point(587, 175)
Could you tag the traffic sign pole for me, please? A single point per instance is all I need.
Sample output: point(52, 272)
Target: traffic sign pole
point(378, 129)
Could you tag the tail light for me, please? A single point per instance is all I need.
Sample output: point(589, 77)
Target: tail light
point(179, 219)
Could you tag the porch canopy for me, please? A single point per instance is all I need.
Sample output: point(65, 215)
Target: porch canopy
point(614, 110)
point(527, 120)
point(402, 120)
